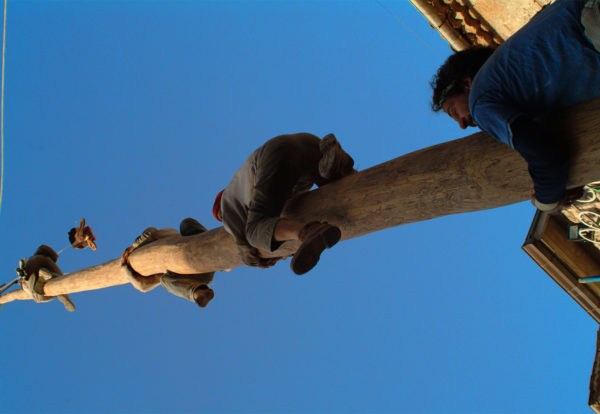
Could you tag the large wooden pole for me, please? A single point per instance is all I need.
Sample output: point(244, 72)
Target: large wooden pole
point(468, 174)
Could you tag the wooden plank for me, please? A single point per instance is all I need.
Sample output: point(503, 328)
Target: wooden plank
point(571, 253)
point(581, 293)
point(564, 261)
point(594, 399)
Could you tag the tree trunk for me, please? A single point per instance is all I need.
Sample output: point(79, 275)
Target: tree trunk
point(469, 174)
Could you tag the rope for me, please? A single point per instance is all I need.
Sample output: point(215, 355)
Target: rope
point(2, 110)
point(592, 230)
point(592, 191)
point(590, 219)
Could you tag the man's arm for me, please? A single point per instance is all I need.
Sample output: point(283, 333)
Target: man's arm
point(234, 220)
point(547, 158)
point(235, 225)
point(251, 256)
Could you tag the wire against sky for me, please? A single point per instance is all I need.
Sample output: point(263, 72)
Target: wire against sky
point(2, 110)
point(408, 28)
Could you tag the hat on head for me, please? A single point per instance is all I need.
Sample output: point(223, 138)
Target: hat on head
point(217, 205)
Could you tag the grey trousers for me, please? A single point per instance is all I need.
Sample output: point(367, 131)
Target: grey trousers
point(286, 166)
point(184, 286)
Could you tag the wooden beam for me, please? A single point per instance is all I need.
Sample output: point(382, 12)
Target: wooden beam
point(441, 23)
point(565, 261)
point(571, 253)
point(469, 174)
point(594, 399)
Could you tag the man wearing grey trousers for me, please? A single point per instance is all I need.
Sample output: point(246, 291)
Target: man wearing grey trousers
point(193, 287)
point(250, 206)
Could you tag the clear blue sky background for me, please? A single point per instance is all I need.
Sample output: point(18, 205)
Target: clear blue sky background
point(134, 114)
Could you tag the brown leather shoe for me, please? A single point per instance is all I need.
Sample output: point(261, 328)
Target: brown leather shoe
point(315, 238)
point(203, 295)
point(190, 226)
point(335, 163)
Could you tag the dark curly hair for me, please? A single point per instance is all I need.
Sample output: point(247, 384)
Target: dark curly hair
point(448, 81)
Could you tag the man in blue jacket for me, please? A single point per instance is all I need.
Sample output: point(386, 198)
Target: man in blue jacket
point(553, 62)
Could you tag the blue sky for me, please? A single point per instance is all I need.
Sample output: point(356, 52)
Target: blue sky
point(135, 114)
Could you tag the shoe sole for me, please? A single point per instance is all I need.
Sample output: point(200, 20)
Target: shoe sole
point(205, 299)
point(190, 227)
point(308, 255)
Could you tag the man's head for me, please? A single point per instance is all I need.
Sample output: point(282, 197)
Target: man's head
point(452, 82)
point(457, 106)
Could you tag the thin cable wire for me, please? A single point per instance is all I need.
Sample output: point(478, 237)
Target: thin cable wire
point(63, 249)
point(408, 28)
point(2, 110)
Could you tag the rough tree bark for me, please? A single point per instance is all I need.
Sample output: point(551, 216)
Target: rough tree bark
point(465, 175)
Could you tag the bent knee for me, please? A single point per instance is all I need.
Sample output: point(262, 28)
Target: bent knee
point(259, 233)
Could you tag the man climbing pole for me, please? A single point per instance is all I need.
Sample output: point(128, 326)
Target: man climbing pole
point(553, 62)
point(37, 270)
point(251, 205)
point(193, 287)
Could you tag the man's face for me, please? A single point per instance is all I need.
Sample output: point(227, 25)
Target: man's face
point(457, 107)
